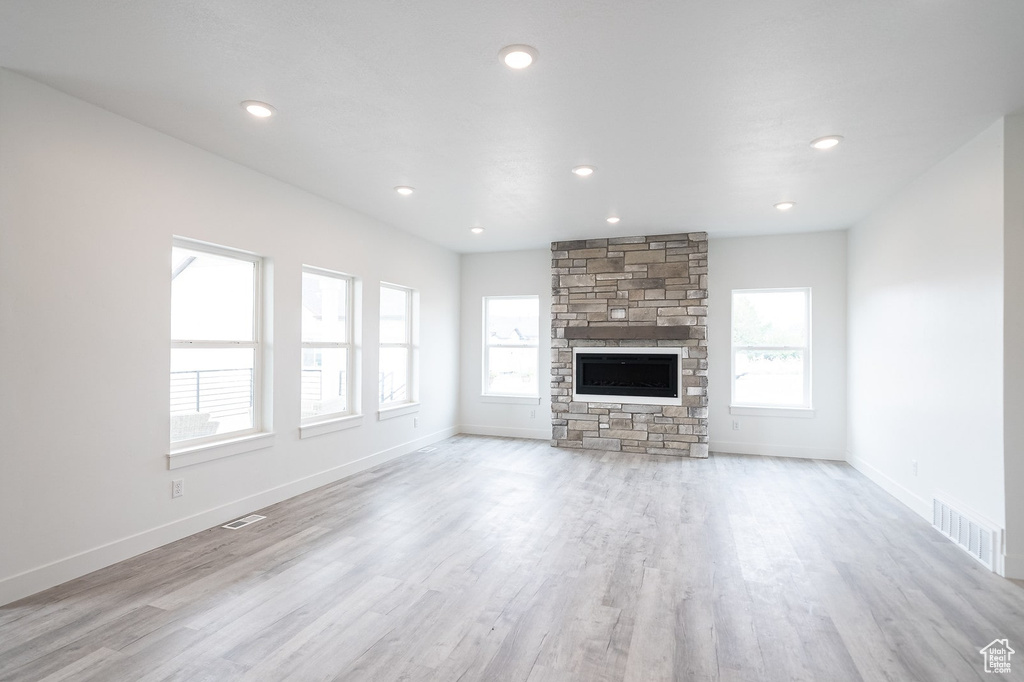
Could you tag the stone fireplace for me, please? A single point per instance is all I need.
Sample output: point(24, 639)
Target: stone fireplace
point(630, 296)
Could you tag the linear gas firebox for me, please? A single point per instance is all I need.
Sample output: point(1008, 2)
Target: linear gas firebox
point(627, 375)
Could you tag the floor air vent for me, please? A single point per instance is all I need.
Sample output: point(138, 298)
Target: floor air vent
point(251, 518)
point(974, 538)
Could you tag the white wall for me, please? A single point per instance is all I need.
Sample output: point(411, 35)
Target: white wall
point(926, 335)
point(1013, 343)
point(88, 204)
point(503, 274)
point(816, 260)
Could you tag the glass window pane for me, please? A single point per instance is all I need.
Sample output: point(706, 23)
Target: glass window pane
point(512, 371)
point(393, 311)
point(769, 378)
point(324, 381)
point(324, 308)
point(211, 297)
point(394, 375)
point(211, 391)
point(769, 318)
point(513, 321)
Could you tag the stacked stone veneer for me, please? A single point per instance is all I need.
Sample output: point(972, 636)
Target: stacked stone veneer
point(622, 292)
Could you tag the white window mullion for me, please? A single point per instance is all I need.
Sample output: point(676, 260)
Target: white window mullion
point(216, 349)
point(327, 390)
point(511, 323)
point(396, 382)
point(771, 345)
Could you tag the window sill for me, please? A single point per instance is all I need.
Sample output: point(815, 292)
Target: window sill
point(400, 410)
point(750, 411)
point(511, 399)
point(330, 425)
point(207, 452)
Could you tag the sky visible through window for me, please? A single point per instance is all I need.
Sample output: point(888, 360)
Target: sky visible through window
point(212, 304)
point(770, 339)
point(512, 331)
point(395, 362)
point(324, 389)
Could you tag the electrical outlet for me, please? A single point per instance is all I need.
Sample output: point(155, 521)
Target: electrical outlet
point(178, 487)
point(415, 422)
point(735, 424)
point(533, 414)
point(913, 466)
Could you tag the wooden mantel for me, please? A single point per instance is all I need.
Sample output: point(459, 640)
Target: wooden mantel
point(632, 333)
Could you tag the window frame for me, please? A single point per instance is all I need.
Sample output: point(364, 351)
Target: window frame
point(349, 345)
point(485, 362)
point(410, 343)
point(256, 344)
point(807, 404)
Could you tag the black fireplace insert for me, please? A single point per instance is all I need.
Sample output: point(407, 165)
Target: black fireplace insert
point(651, 375)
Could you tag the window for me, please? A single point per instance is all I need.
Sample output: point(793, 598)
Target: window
point(771, 348)
point(397, 337)
point(215, 343)
point(511, 330)
point(327, 352)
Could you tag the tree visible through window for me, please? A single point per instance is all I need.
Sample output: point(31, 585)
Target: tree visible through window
point(215, 342)
point(511, 331)
point(771, 352)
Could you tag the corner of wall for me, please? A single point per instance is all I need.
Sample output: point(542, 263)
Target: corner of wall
point(909, 498)
point(1013, 340)
point(911, 262)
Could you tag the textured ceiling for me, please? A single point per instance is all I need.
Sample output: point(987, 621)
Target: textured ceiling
point(697, 115)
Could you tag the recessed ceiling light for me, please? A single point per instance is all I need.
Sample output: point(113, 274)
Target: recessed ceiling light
point(785, 205)
point(827, 142)
point(518, 56)
point(404, 191)
point(613, 220)
point(258, 109)
point(584, 171)
point(476, 230)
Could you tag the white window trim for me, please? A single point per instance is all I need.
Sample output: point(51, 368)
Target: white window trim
point(511, 398)
point(181, 447)
point(237, 445)
point(410, 343)
point(330, 426)
point(804, 410)
point(793, 412)
point(351, 398)
point(397, 410)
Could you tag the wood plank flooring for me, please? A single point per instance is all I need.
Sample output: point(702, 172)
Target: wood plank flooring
point(503, 559)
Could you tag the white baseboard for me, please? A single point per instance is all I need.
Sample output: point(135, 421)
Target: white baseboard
point(1006, 565)
point(768, 450)
point(899, 491)
point(60, 571)
point(508, 432)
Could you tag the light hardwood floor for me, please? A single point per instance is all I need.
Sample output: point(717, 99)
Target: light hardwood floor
point(502, 559)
